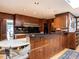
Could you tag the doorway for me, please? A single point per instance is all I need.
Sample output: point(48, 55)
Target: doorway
point(45, 28)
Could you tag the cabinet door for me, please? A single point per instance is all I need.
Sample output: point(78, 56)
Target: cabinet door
point(18, 20)
point(37, 54)
point(64, 41)
point(32, 43)
point(32, 55)
point(46, 52)
point(3, 29)
point(57, 22)
point(60, 42)
point(57, 44)
point(0, 29)
point(60, 21)
point(72, 40)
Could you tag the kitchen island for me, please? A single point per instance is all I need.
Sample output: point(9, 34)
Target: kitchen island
point(44, 46)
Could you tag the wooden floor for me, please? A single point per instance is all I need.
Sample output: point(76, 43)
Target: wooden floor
point(61, 53)
point(2, 56)
point(77, 49)
point(53, 57)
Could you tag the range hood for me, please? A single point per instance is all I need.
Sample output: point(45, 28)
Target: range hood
point(31, 25)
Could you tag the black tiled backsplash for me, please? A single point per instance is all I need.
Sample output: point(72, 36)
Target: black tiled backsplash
point(21, 29)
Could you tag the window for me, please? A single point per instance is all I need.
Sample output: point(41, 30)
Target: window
point(73, 3)
point(77, 23)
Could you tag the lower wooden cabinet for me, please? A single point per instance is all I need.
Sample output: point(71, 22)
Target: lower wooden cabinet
point(72, 41)
point(37, 54)
point(46, 52)
point(40, 49)
point(40, 53)
point(44, 48)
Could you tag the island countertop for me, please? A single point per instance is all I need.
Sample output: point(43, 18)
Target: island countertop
point(38, 35)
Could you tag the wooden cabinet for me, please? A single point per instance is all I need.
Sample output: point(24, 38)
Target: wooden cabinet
point(20, 20)
point(46, 52)
point(40, 48)
point(57, 43)
point(63, 21)
point(72, 40)
point(64, 41)
point(67, 22)
point(46, 47)
point(3, 29)
point(37, 54)
point(40, 53)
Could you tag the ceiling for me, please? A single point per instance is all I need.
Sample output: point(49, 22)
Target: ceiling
point(37, 8)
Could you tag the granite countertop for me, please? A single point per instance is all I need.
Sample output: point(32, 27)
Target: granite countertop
point(34, 35)
point(39, 35)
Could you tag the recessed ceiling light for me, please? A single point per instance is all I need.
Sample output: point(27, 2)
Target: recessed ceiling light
point(73, 3)
point(24, 9)
point(36, 3)
point(34, 13)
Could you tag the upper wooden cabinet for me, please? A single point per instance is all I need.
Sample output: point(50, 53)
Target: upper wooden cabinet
point(60, 21)
point(20, 20)
point(65, 21)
